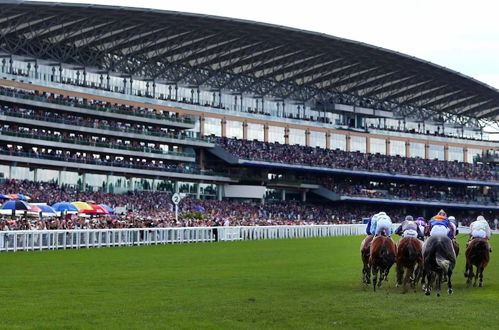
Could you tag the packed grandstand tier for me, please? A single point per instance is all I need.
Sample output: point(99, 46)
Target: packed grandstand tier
point(155, 209)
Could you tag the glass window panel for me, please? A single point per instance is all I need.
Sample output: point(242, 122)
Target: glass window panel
point(456, 153)
point(472, 153)
point(338, 141)
point(255, 132)
point(436, 152)
point(276, 134)
point(212, 126)
point(358, 143)
point(378, 146)
point(317, 139)
point(417, 149)
point(397, 148)
point(234, 129)
point(296, 136)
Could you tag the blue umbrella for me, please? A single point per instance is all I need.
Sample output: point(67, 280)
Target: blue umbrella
point(107, 208)
point(199, 208)
point(16, 205)
point(2, 196)
point(65, 206)
point(47, 210)
point(23, 197)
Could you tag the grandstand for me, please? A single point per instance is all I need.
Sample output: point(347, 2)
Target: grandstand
point(110, 100)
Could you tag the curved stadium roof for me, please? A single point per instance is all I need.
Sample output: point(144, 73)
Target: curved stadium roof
point(238, 56)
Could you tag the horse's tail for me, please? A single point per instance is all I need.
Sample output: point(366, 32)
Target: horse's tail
point(442, 262)
point(412, 254)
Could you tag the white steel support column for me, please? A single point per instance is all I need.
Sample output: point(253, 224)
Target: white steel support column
point(198, 190)
point(219, 192)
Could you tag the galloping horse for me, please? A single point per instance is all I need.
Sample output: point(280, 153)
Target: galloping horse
point(478, 255)
point(439, 259)
point(382, 258)
point(409, 258)
point(365, 252)
point(455, 245)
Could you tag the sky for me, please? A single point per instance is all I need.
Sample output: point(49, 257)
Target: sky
point(460, 35)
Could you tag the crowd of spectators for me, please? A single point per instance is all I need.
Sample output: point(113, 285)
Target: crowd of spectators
point(93, 122)
point(407, 191)
point(143, 209)
point(80, 138)
point(339, 159)
point(116, 161)
point(91, 104)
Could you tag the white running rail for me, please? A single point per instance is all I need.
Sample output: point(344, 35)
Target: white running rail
point(32, 240)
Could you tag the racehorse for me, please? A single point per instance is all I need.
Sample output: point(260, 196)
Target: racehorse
point(478, 255)
point(410, 259)
point(439, 259)
point(455, 245)
point(365, 252)
point(381, 259)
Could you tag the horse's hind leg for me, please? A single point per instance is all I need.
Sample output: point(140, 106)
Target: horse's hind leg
point(429, 283)
point(439, 282)
point(481, 277)
point(469, 274)
point(409, 278)
point(449, 282)
point(475, 282)
point(382, 276)
point(375, 277)
point(417, 276)
point(400, 274)
point(365, 271)
point(424, 281)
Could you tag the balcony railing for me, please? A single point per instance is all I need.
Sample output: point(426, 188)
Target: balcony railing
point(97, 108)
point(96, 144)
point(107, 127)
point(118, 164)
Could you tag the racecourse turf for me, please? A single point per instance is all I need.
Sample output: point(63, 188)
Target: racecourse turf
point(296, 283)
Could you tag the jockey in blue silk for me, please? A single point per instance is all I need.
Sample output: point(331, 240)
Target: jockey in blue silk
point(373, 223)
point(383, 225)
point(439, 225)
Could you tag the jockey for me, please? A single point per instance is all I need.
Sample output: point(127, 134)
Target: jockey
point(371, 225)
point(383, 225)
point(439, 225)
point(479, 229)
point(421, 222)
point(452, 227)
point(409, 228)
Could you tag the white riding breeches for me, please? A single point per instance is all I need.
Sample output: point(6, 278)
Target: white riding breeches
point(383, 225)
point(410, 233)
point(439, 231)
point(479, 233)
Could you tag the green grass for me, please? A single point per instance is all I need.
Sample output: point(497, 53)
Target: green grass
point(302, 283)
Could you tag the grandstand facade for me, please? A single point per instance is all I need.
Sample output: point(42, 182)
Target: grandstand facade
point(116, 99)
